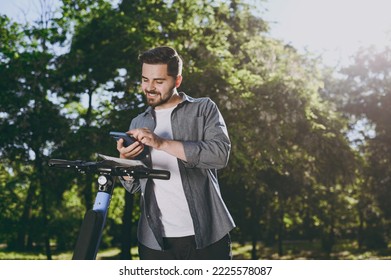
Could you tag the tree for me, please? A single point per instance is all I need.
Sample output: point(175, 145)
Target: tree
point(31, 123)
point(290, 173)
point(365, 91)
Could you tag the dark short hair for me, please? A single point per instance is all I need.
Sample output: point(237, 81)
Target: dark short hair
point(163, 55)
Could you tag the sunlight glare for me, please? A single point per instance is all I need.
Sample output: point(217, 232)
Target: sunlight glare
point(333, 27)
point(351, 23)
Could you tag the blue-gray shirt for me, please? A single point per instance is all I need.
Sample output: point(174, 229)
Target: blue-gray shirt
point(199, 125)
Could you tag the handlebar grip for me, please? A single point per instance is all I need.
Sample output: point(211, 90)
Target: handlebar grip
point(159, 174)
point(64, 163)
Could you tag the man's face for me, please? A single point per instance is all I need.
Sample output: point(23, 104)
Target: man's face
point(157, 85)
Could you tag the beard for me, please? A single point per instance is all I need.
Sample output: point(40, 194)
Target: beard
point(158, 99)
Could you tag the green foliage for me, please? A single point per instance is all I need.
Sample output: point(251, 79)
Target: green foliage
point(364, 89)
point(292, 173)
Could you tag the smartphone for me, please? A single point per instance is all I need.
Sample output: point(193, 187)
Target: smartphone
point(128, 140)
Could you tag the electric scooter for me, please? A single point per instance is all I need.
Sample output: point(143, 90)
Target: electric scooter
point(88, 241)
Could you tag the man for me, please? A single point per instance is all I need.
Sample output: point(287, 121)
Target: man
point(184, 217)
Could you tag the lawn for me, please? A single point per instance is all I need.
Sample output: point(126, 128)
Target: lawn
point(293, 250)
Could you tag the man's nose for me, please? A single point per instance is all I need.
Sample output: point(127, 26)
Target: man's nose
point(150, 87)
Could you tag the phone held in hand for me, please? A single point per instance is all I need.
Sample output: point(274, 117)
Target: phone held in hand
point(128, 140)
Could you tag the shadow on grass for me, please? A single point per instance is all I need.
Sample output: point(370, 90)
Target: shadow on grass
point(310, 250)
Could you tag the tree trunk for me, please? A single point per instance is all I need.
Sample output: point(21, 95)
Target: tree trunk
point(255, 228)
point(40, 181)
point(254, 255)
point(45, 224)
point(22, 237)
point(281, 226)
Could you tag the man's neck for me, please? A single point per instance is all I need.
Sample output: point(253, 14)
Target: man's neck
point(172, 102)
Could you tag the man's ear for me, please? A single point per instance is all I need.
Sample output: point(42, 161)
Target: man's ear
point(178, 81)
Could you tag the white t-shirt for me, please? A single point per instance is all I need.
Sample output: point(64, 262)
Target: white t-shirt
point(176, 218)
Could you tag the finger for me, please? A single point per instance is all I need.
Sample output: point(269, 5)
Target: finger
point(120, 144)
point(144, 140)
point(131, 151)
point(134, 132)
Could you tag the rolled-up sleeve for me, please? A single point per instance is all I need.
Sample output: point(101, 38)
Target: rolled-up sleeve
point(206, 144)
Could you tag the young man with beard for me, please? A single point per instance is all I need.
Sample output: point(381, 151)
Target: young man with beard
point(184, 217)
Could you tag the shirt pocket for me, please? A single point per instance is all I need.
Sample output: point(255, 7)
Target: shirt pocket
point(191, 130)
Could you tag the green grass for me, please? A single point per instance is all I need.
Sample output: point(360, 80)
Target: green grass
point(111, 253)
point(294, 250)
